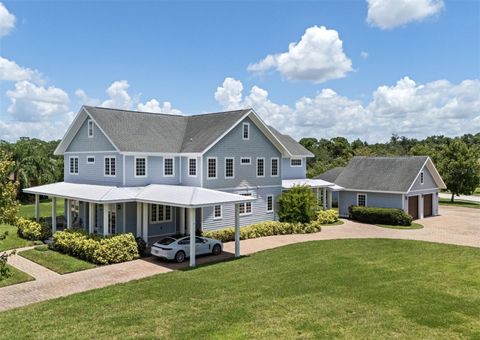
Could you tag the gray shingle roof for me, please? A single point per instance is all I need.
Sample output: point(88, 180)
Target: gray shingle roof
point(331, 175)
point(381, 173)
point(295, 148)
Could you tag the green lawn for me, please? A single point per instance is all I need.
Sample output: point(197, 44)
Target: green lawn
point(356, 289)
point(12, 240)
point(56, 261)
point(28, 210)
point(412, 226)
point(16, 277)
point(459, 203)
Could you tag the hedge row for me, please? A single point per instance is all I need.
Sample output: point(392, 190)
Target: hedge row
point(32, 230)
point(389, 216)
point(96, 249)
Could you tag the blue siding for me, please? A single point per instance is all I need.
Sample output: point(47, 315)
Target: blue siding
point(94, 173)
point(293, 172)
point(428, 182)
point(186, 179)
point(81, 141)
point(233, 145)
point(381, 200)
point(154, 172)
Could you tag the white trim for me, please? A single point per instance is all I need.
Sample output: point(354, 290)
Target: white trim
point(273, 204)
point(296, 166)
point(225, 167)
point(216, 168)
point(124, 216)
point(249, 160)
point(433, 172)
point(70, 165)
point(377, 191)
point(89, 122)
point(247, 187)
point(160, 154)
point(201, 171)
point(135, 166)
point(109, 166)
point(100, 128)
point(256, 161)
point(278, 166)
point(123, 170)
point(247, 124)
point(173, 166)
point(364, 194)
point(221, 212)
point(87, 152)
point(196, 166)
point(90, 156)
point(180, 170)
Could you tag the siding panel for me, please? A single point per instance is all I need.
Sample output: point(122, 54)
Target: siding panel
point(81, 141)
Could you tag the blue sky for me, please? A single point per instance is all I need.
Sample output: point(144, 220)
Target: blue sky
point(366, 74)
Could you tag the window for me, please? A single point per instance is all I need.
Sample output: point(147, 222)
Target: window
point(217, 212)
point(422, 177)
point(229, 164)
point(362, 200)
point(260, 167)
point(140, 167)
point(296, 162)
point(269, 203)
point(246, 207)
point(90, 128)
point(274, 167)
point(246, 131)
point(112, 222)
point(168, 170)
point(192, 167)
point(73, 165)
point(90, 159)
point(110, 166)
point(212, 168)
point(160, 213)
point(245, 161)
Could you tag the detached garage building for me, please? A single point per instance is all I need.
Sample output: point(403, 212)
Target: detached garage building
point(408, 183)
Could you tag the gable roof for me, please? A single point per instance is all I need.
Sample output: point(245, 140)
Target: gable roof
point(331, 175)
point(295, 148)
point(389, 174)
point(134, 131)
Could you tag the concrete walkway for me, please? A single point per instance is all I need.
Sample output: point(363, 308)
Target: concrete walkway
point(469, 198)
point(460, 226)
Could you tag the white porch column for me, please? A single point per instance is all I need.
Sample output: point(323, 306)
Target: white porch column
point(237, 230)
point(191, 228)
point(91, 217)
point(68, 213)
point(324, 198)
point(329, 199)
point(145, 222)
point(106, 209)
point(139, 219)
point(420, 206)
point(54, 215)
point(37, 207)
point(182, 221)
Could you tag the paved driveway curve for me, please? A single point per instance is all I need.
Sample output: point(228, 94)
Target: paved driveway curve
point(459, 226)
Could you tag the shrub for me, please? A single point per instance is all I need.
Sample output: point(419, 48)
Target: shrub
point(390, 216)
point(41, 248)
point(327, 216)
point(96, 249)
point(4, 270)
point(141, 246)
point(32, 230)
point(297, 205)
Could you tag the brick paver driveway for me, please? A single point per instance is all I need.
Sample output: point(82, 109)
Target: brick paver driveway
point(456, 225)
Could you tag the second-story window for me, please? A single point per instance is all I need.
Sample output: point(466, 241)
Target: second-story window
point(90, 128)
point(110, 166)
point(73, 165)
point(192, 167)
point(260, 167)
point(274, 167)
point(229, 164)
point(140, 167)
point(168, 167)
point(246, 131)
point(211, 167)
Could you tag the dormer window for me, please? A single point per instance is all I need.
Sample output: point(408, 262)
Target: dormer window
point(421, 177)
point(90, 128)
point(246, 131)
point(296, 162)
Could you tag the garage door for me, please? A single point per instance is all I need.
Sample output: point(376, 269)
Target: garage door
point(427, 205)
point(413, 206)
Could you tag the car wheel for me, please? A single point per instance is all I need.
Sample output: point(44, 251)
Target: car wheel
point(216, 249)
point(180, 256)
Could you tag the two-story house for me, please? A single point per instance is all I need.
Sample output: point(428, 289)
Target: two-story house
point(152, 174)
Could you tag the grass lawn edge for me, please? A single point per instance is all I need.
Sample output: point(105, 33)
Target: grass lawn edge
point(413, 226)
point(17, 277)
point(55, 261)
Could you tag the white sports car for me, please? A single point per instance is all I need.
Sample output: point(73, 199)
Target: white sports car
point(178, 249)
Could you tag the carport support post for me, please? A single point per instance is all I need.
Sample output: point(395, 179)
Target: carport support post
point(105, 219)
point(237, 230)
point(37, 207)
point(329, 200)
point(145, 223)
point(54, 215)
point(91, 217)
point(191, 227)
point(182, 221)
point(420, 206)
point(69, 214)
point(139, 219)
point(324, 198)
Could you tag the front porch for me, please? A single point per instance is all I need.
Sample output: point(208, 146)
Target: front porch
point(323, 190)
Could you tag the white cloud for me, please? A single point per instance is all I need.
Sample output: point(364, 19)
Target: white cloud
point(317, 57)
point(119, 97)
point(11, 71)
point(7, 20)
point(229, 95)
point(407, 108)
point(154, 106)
point(387, 14)
point(85, 99)
point(364, 55)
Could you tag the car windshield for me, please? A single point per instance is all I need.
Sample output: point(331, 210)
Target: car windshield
point(166, 241)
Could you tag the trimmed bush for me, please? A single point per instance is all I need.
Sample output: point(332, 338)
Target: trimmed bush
point(389, 216)
point(96, 249)
point(297, 205)
point(32, 230)
point(327, 216)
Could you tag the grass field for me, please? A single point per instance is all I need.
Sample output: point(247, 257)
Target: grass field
point(458, 203)
point(12, 240)
point(412, 226)
point(28, 210)
point(56, 261)
point(17, 277)
point(341, 288)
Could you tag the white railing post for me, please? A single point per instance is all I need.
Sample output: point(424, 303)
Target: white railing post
point(106, 209)
point(237, 230)
point(191, 227)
